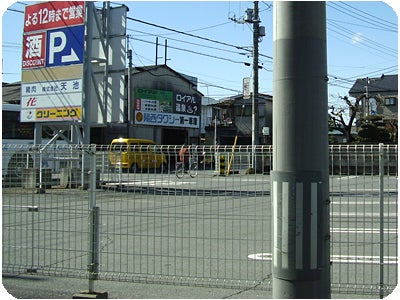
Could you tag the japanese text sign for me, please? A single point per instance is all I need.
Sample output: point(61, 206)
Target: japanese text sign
point(53, 14)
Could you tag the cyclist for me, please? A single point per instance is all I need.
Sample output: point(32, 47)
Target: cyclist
point(182, 157)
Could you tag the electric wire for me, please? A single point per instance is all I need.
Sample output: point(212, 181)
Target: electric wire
point(344, 10)
point(195, 36)
point(377, 20)
point(192, 51)
point(343, 31)
point(333, 26)
point(181, 41)
point(183, 32)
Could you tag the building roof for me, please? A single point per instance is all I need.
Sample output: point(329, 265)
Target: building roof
point(385, 84)
point(11, 92)
point(230, 101)
point(190, 79)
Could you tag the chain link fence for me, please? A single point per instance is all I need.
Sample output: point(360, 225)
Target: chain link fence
point(75, 211)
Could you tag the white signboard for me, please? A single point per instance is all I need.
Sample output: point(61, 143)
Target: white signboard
point(57, 100)
point(53, 51)
point(247, 88)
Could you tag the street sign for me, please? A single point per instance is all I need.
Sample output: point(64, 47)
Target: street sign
point(247, 87)
point(33, 50)
point(65, 46)
point(57, 100)
point(53, 44)
point(166, 108)
point(53, 14)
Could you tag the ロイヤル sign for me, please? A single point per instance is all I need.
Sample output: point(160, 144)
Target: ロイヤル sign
point(166, 108)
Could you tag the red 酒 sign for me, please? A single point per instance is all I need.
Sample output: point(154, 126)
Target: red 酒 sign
point(33, 49)
point(54, 14)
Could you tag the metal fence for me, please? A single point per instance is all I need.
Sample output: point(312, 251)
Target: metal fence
point(68, 212)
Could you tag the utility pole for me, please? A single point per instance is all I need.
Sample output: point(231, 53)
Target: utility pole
point(156, 51)
point(300, 180)
point(252, 16)
point(366, 99)
point(129, 104)
point(90, 11)
point(254, 112)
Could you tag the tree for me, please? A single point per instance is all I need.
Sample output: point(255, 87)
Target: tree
point(373, 130)
point(337, 120)
point(389, 123)
point(392, 129)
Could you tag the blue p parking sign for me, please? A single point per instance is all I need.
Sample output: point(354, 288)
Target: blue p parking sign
point(65, 46)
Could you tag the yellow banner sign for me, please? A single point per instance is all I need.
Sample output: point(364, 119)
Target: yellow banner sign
point(59, 114)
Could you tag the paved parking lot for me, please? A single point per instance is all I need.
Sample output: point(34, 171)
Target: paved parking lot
point(162, 229)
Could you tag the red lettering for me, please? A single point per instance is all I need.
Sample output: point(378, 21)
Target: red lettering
point(31, 102)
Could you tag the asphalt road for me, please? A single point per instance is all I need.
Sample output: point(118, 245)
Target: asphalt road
point(195, 232)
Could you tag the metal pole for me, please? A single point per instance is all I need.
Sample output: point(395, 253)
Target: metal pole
point(300, 179)
point(381, 219)
point(215, 130)
point(254, 114)
point(156, 51)
point(88, 72)
point(129, 104)
point(366, 99)
point(93, 260)
point(165, 51)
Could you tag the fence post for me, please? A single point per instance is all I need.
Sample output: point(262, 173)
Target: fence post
point(94, 232)
point(381, 225)
point(93, 264)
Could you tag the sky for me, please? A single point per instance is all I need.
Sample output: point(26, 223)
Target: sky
point(210, 41)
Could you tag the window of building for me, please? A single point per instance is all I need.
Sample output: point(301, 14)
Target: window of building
point(244, 110)
point(14, 129)
point(390, 101)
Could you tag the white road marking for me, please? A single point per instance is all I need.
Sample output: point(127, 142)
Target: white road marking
point(346, 177)
point(344, 259)
point(152, 183)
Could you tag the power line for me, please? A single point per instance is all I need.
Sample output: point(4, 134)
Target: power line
point(192, 51)
point(182, 41)
point(358, 15)
point(184, 33)
point(343, 31)
point(351, 80)
point(360, 25)
point(197, 36)
point(206, 84)
point(374, 17)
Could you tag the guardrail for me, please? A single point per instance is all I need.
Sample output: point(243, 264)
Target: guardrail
point(86, 218)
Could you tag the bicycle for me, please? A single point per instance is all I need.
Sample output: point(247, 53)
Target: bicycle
point(192, 170)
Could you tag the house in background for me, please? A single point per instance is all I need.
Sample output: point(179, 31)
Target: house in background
point(234, 118)
point(164, 106)
point(382, 93)
point(380, 97)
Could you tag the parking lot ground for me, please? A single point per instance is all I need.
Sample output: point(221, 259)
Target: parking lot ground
point(40, 287)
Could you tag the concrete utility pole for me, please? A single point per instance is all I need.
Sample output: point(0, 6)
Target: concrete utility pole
point(90, 11)
point(299, 182)
point(258, 32)
point(254, 112)
point(366, 99)
point(130, 92)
